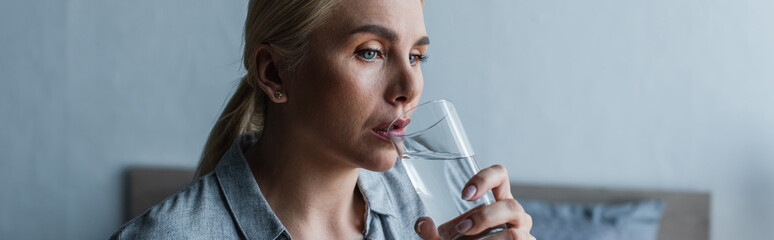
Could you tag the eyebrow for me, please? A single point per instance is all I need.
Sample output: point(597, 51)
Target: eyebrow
point(386, 33)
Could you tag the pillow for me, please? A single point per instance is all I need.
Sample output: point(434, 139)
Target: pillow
point(637, 220)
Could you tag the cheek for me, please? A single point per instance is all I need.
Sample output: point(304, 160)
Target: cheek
point(357, 88)
point(336, 98)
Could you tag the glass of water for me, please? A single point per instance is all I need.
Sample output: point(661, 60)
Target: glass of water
point(439, 160)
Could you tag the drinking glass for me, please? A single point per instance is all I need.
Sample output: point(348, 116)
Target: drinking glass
point(439, 160)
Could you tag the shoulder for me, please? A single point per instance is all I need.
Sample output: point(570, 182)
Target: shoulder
point(196, 211)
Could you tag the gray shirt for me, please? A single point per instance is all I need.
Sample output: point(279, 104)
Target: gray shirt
point(228, 204)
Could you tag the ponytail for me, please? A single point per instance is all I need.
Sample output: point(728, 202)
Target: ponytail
point(244, 113)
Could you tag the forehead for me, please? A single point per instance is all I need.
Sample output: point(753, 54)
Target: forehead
point(404, 17)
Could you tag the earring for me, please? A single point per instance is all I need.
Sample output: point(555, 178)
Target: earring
point(277, 94)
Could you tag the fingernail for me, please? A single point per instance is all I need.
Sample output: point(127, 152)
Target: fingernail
point(468, 193)
point(463, 226)
point(419, 226)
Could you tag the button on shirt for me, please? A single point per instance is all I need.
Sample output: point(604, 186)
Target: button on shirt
point(228, 204)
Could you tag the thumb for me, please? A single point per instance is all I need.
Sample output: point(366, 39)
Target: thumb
point(425, 228)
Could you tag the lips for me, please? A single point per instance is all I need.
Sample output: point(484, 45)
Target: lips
point(398, 129)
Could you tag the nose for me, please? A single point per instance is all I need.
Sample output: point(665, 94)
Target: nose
point(405, 85)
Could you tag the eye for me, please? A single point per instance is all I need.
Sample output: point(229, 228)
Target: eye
point(369, 54)
point(414, 57)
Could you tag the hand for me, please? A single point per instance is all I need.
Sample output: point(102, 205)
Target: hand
point(505, 210)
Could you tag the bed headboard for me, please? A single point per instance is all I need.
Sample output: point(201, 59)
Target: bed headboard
point(686, 214)
point(146, 186)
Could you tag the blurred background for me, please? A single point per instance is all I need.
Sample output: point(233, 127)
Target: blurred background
point(636, 94)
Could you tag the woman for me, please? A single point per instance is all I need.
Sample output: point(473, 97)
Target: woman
point(297, 152)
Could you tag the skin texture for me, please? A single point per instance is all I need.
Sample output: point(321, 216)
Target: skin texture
point(362, 70)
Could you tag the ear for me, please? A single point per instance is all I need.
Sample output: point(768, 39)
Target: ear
point(267, 75)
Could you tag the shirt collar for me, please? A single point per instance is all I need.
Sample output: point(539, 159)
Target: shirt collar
point(378, 198)
point(251, 211)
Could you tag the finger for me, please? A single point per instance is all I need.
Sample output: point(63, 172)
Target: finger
point(447, 229)
point(507, 211)
point(513, 234)
point(494, 178)
point(425, 228)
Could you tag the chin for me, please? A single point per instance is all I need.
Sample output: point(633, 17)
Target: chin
point(381, 163)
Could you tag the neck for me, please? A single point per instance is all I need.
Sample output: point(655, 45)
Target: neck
point(305, 189)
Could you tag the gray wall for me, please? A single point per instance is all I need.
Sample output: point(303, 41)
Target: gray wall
point(92, 87)
point(644, 94)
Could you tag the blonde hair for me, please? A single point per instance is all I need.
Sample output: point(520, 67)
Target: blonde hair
point(283, 25)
